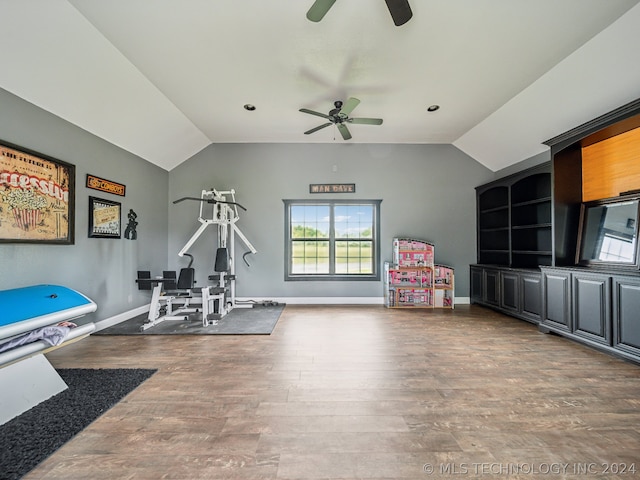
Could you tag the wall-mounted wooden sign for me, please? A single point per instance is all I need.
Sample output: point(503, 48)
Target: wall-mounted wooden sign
point(332, 188)
point(103, 185)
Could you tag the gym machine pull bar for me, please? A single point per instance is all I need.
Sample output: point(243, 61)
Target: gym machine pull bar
point(208, 200)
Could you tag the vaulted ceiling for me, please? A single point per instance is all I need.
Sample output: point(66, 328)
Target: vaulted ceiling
point(165, 78)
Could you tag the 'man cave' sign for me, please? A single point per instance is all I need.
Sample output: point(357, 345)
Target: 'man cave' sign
point(332, 188)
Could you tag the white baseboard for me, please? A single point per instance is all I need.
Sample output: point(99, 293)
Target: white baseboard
point(121, 317)
point(315, 300)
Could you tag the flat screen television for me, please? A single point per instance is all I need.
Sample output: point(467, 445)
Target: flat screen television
point(608, 234)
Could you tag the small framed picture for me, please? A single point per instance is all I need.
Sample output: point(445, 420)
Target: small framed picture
point(104, 218)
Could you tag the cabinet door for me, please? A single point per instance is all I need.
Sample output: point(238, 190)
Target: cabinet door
point(491, 294)
point(592, 307)
point(531, 296)
point(626, 318)
point(477, 284)
point(556, 310)
point(509, 297)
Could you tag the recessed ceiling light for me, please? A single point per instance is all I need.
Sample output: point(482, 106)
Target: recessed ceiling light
point(249, 107)
point(433, 108)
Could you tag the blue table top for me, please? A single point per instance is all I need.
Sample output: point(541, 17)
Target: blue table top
point(20, 304)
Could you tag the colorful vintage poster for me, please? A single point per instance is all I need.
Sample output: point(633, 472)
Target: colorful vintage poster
point(36, 197)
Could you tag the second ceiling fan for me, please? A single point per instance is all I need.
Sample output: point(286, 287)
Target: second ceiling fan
point(399, 9)
point(339, 116)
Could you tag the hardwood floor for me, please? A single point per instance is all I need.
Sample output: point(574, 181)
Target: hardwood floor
point(360, 393)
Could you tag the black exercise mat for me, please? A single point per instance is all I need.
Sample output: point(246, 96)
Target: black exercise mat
point(30, 438)
point(259, 320)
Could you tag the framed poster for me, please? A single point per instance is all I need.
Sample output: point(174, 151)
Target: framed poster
point(37, 197)
point(104, 218)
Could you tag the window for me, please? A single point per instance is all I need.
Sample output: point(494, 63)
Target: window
point(616, 249)
point(332, 240)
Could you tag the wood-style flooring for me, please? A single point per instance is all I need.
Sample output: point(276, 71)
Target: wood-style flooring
point(360, 392)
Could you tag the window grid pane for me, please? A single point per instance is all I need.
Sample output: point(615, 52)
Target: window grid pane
point(309, 257)
point(309, 221)
point(354, 257)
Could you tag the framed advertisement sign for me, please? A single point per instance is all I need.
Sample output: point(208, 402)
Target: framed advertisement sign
point(103, 185)
point(37, 197)
point(104, 218)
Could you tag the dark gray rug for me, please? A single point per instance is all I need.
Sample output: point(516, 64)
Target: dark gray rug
point(259, 320)
point(30, 438)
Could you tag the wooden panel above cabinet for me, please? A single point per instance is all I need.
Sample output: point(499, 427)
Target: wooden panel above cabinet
point(611, 166)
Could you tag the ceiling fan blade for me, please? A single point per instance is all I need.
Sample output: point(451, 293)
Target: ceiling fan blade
point(319, 9)
point(349, 105)
point(400, 11)
point(317, 128)
point(365, 121)
point(318, 114)
point(344, 131)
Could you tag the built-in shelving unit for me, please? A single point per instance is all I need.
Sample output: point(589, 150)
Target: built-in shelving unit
point(514, 220)
point(531, 221)
point(493, 225)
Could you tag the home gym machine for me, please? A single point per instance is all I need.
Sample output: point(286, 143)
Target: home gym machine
point(219, 209)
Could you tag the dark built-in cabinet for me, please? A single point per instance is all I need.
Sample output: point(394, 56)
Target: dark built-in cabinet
point(529, 263)
point(514, 219)
point(514, 239)
point(599, 309)
point(516, 292)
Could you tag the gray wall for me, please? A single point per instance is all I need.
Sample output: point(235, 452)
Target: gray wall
point(427, 192)
point(103, 269)
point(524, 164)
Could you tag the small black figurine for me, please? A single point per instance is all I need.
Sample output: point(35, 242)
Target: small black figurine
point(130, 232)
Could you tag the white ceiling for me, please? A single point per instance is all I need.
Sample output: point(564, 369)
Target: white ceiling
point(165, 78)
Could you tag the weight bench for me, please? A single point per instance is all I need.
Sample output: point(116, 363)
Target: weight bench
point(171, 299)
point(26, 376)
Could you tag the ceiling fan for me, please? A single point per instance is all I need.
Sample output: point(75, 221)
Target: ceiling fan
point(399, 9)
point(339, 117)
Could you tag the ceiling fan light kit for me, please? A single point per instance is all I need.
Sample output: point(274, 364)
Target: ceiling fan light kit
point(339, 115)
